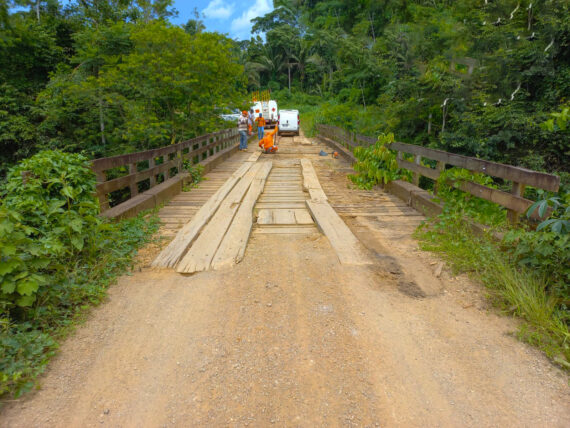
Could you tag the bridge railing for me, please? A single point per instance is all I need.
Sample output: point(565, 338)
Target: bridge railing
point(513, 201)
point(152, 165)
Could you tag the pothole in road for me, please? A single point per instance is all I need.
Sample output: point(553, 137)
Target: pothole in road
point(410, 288)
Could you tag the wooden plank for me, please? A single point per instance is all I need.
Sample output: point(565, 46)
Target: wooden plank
point(170, 256)
point(347, 247)
point(232, 248)
point(254, 157)
point(200, 255)
point(120, 160)
point(286, 216)
point(520, 175)
point(286, 230)
point(265, 217)
point(311, 181)
point(317, 195)
point(281, 205)
point(419, 169)
point(303, 217)
point(508, 200)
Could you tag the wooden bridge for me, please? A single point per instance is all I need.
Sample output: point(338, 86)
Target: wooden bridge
point(250, 192)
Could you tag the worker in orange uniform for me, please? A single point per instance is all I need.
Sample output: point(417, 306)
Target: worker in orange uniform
point(260, 126)
point(267, 143)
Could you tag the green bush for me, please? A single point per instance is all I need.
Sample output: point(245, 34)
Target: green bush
point(48, 216)
point(465, 204)
point(377, 164)
point(56, 257)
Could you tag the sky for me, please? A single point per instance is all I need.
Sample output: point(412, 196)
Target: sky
point(225, 16)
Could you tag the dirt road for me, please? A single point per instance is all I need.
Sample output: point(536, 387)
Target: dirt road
point(292, 338)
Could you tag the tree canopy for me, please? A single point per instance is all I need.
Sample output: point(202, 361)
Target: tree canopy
point(472, 77)
point(109, 77)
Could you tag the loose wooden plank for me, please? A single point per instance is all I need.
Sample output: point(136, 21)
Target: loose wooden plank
point(232, 248)
point(303, 217)
point(170, 256)
point(347, 247)
point(317, 195)
point(202, 251)
point(311, 181)
point(254, 157)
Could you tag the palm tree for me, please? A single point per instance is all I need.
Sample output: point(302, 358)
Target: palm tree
point(269, 62)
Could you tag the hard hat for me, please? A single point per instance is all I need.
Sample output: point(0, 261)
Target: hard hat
point(244, 112)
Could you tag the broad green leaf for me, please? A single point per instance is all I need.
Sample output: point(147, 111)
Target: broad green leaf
point(76, 224)
point(8, 266)
point(77, 242)
point(25, 301)
point(67, 191)
point(8, 286)
point(27, 287)
point(8, 250)
point(542, 208)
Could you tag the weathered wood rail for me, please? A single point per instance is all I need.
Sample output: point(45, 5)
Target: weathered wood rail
point(514, 202)
point(165, 162)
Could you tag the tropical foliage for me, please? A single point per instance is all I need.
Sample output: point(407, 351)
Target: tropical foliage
point(472, 77)
point(108, 77)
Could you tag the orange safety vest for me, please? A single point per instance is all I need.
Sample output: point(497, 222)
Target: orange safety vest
point(260, 122)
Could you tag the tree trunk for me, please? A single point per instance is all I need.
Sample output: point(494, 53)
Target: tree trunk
point(370, 18)
point(102, 121)
point(289, 74)
point(429, 124)
point(38, 10)
point(363, 100)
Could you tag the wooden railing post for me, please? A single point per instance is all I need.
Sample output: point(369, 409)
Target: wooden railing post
point(517, 190)
point(133, 186)
point(152, 164)
point(103, 198)
point(179, 161)
point(416, 176)
point(165, 173)
point(440, 167)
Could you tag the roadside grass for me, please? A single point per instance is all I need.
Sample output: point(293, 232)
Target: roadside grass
point(26, 347)
point(516, 290)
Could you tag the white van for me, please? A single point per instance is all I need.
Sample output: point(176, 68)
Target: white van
point(289, 121)
point(269, 111)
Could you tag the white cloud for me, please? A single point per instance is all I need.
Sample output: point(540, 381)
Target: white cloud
point(219, 9)
point(241, 26)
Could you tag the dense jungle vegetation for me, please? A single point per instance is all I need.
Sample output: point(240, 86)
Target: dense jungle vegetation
point(86, 79)
point(108, 77)
point(403, 66)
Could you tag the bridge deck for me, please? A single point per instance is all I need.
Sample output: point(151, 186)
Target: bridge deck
point(183, 206)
